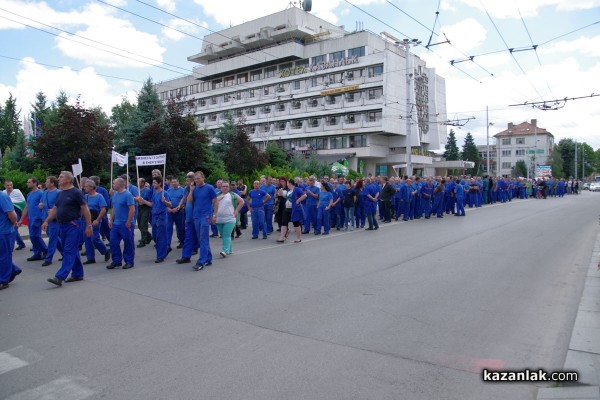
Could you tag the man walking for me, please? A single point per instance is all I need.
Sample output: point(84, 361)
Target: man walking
point(121, 217)
point(8, 225)
point(203, 198)
point(32, 210)
point(48, 199)
point(143, 215)
point(18, 200)
point(69, 207)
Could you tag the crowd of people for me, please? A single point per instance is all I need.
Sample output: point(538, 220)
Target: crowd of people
point(79, 221)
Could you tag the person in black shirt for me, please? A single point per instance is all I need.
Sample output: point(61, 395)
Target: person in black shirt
point(70, 205)
point(348, 204)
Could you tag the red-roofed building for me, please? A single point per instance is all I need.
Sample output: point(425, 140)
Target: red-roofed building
point(525, 141)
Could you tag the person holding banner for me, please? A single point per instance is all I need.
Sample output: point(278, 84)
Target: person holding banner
point(97, 206)
point(203, 198)
point(69, 207)
point(120, 222)
point(34, 214)
point(48, 199)
point(159, 204)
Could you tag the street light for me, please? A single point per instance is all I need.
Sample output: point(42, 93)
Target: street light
point(488, 139)
point(409, 75)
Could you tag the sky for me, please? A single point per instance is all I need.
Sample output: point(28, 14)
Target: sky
point(103, 50)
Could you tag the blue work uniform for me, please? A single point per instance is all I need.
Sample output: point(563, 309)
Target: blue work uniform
point(325, 199)
point(257, 197)
point(176, 218)
point(68, 214)
point(95, 203)
point(34, 215)
point(53, 230)
point(8, 270)
point(121, 201)
point(159, 223)
point(310, 208)
point(459, 195)
point(202, 210)
point(270, 190)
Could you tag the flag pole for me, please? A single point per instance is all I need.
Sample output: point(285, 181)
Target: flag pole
point(164, 174)
point(112, 159)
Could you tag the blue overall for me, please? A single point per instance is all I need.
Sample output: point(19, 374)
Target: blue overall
point(121, 201)
point(202, 209)
point(159, 223)
point(96, 203)
point(177, 218)
point(270, 190)
point(34, 214)
point(53, 230)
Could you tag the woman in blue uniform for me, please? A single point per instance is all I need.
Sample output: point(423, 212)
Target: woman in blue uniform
point(297, 196)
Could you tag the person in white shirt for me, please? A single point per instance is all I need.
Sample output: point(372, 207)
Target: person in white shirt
point(18, 200)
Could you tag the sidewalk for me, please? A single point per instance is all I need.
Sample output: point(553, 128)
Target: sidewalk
point(583, 354)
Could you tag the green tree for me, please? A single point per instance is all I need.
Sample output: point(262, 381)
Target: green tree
point(557, 163)
point(470, 153)
point(277, 157)
point(10, 124)
point(225, 137)
point(520, 169)
point(77, 133)
point(586, 160)
point(567, 152)
point(243, 157)
point(452, 153)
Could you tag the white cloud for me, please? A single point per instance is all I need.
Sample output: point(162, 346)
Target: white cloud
point(585, 45)
point(527, 8)
point(94, 89)
point(183, 26)
point(100, 25)
point(168, 5)
point(237, 11)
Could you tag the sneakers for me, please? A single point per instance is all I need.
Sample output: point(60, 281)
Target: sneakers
point(74, 279)
point(182, 260)
point(223, 254)
point(199, 267)
point(159, 260)
point(113, 266)
point(3, 285)
point(55, 281)
point(127, 266)
point(352, 228)
point(34, 258)
point(88, 262)
point(46, 263)
point(107, 256)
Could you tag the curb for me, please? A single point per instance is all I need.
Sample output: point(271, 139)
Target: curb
point(583, 354)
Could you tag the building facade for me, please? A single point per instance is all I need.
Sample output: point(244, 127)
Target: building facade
point(483, 155)
point(315, 89)
point(523, 142)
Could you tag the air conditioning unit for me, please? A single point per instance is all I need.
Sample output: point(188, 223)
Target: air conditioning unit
point(280, 89)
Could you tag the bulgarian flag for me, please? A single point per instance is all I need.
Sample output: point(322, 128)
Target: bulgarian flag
point(21, 206)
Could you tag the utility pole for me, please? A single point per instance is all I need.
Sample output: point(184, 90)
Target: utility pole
point(487, 125)
point(409, 91)
point(582, 162)
point(575, 159)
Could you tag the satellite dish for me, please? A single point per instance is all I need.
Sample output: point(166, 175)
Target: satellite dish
point(307, 5)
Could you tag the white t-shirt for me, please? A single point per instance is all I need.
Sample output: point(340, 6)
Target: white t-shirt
point(226, 209)
point(15, 196)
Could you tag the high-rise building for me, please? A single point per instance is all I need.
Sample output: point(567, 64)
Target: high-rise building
point(314, 88)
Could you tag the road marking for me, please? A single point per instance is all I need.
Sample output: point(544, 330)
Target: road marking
point(8, 362)
point(65, 388)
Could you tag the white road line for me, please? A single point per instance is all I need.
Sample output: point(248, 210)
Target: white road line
point(65, 388)
point(8, 362)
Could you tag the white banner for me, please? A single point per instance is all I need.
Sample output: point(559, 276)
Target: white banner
point(119, 158)
point(158, 159)
point(77, 168)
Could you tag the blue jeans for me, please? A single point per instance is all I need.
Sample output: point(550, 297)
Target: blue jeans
point(71, 263)
point(349, 212)
point(54, 242)
point(258, 222)
point(118, 233)
point(190, 244)
point(359, 211)
point(93, 242)
point(202, 228)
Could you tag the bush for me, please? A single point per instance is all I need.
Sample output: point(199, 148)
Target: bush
point(18, 176)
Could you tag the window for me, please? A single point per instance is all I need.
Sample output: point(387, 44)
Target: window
point(358, 141)
point(520, 140)
point(313, 103)
point(331, 78)
point(281, 107)
point(314, 122)
point(374, 116)
point(350, 97)
point(338, 55)
point(519, 152)
point(226, 98)
point(202, 118)
point(217, 84)
point(374, 93)
point(302, 63)
point(251, 93)
point(213, 100)
point(270, 72)
point(297, 124)
point(506, 165)
point(356, 52)
point(266, 90)
point(239, 112)
point(350, 119)
point(266, 128)
point(202, 102)
point(194, 89)
point(252, 129)
point(251, 111)
point(319, 144)
point(506, 153)
point(285, 66)
point(318, 59)
point(296, 105)
point(297, 85)
point(238, 96)
point(332, 120)
point(256, 75)
point(204, 86)
point(242, 78)
point(281, 126)
point(229, 81)
point(212, 117)
point(266, 109)
point(375, 71)
point(280, 88)
point(338, 142)
point(330, 100)
point(506, 141)
point(350, 75)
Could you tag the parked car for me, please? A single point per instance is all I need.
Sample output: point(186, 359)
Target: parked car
point(595, 187)
point(586, 186)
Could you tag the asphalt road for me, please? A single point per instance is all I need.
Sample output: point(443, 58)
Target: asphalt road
point(412, 311)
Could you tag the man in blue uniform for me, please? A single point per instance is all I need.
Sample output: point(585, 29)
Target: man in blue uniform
point(203, 198)
point(103, 227)
point(459, 195)
point(190, 244)
point(32, 210)
point(97, 206)
point(143, 216)
point(176, 214)
point(68, 210)
point(426, 195)
point(48, 200)
point(258, 198)
point(310, 207)
point(160, 202)
point(121, 221)
point(8, 224)
point(372, 197)
point(269, 188)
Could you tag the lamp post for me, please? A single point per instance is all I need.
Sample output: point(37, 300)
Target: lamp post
point(409, 91)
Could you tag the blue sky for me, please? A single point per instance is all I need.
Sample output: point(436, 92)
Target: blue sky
point(130, 43)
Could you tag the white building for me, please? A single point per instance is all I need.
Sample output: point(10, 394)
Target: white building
point(314, 88)
point(523, 142)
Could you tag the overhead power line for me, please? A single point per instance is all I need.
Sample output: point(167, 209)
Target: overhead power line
point(552, 105)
